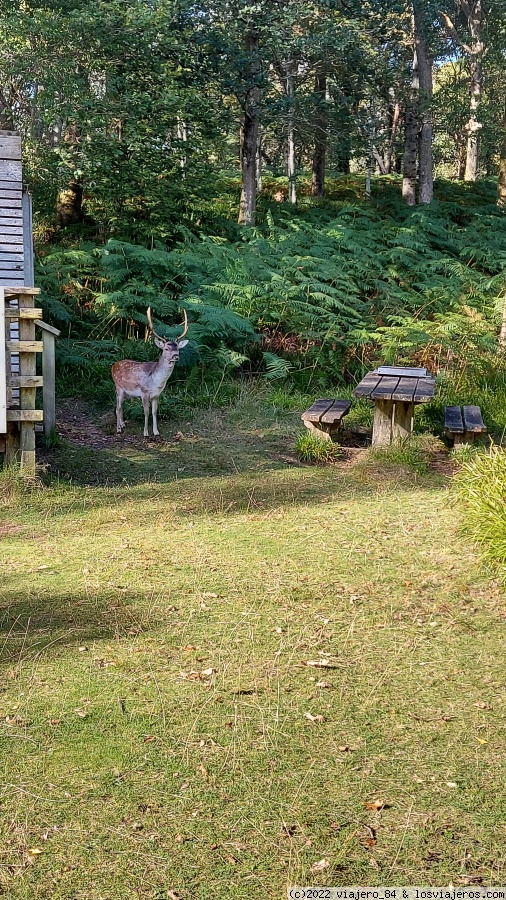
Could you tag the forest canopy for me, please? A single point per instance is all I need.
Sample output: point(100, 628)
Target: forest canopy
point(317, 183)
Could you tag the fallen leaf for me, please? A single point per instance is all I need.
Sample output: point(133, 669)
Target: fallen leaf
point(54, 721)
point(344, 748)
point(323, 684)
point(320, 866)
point(80, 713)
point(373, 863)
point(171, 895)
point(375, 805)
point(482, 705)
point(319, 663)
point(231, 860)
point(208, 672)
point(203, 771)
point(83, 649)
point(39, 568)
point(417, 779)
point(188, 647)
point(34, 851)
point(149, 739)
point(481, 740)
point(451, 784)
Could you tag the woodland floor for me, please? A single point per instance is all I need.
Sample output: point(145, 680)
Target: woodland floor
point(225, 672)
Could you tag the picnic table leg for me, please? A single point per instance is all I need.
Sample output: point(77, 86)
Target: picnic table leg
point(402, 421)
point(382, 424)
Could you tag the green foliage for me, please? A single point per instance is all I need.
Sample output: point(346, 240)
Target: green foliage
point(479, 489)
point(329, 290)
point(315, 450)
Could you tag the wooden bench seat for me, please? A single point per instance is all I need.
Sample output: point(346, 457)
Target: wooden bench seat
point(464, 424)
point(324, 417)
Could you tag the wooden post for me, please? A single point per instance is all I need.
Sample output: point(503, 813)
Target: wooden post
point(27, 366)
point(49, 335)
point(402, 422)
point(3, 366)
point(382, 424)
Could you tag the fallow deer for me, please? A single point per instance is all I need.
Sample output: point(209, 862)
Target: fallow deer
point(146, 379)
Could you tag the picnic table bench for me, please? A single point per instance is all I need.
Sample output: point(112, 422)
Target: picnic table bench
point(394, 391)
point(324, 417)
point(464, 424)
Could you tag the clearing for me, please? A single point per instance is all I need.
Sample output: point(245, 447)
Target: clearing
point(225, 672)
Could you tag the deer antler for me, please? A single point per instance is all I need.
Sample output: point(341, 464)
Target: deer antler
point(185, 325)
point(150, 323)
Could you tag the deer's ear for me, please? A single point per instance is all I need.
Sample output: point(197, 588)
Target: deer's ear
point(159, 343)
point(181, 344)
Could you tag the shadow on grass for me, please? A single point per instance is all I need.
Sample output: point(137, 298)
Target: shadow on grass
point(251, 492)
point(31, 627)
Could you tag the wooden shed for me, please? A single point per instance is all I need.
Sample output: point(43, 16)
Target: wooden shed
point(19, 318)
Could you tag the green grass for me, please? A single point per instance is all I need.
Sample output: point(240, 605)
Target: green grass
point(316, 450)
point(160, 724)
point(480, 490)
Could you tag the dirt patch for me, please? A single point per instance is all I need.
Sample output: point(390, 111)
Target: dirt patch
point(76, 424)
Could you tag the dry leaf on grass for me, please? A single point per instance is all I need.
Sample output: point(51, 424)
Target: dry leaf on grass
point(34, 851)
point(319, 663)
point(320, 866)
point(312, 718)
point(323, 684)
point(375, 805)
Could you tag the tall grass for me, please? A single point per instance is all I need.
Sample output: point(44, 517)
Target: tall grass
point(480, 492)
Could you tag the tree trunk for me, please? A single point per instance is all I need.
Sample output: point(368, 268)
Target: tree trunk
point(320, 136)
point(394, 116)
point(473, 126)
point(182, 136)
point(411, 129)
point(250, 135)
point(501, 181)
point(259, 163)
point(292, 187)
point(426, 181)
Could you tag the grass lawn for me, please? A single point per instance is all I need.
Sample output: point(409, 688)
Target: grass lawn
point(224, 672)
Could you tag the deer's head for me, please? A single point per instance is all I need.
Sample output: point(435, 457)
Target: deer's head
point(170, 349)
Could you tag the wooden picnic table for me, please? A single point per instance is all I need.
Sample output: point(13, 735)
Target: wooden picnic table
point(394, 391)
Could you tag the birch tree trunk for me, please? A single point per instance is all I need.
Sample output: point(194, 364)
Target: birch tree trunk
point(320, 136)
point(475, 49)
point(259, 184)
point(292, 187)
point(250, 135)
point(411, 129)
point(426, 181)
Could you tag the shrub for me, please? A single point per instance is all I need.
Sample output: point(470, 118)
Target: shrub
point(479, 489)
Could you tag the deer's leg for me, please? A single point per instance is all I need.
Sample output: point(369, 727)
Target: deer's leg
point(154, 411)
point(145, 403)
point(120, 396)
